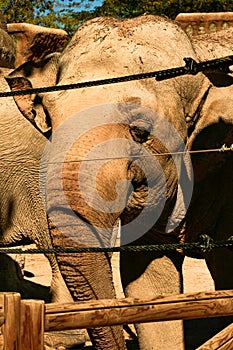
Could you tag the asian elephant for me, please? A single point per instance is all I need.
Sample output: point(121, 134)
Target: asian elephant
point(117, 152)
point(23, 217)
point(211, 209)
point(211, 128)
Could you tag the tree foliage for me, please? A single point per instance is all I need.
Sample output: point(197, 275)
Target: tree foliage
point(58, 13)
point(70, 14)
point(26, 10)
point(169, 8)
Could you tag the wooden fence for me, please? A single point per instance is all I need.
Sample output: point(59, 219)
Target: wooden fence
point(23, 322)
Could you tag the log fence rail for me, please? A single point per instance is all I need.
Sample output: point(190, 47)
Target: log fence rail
point(23, 322)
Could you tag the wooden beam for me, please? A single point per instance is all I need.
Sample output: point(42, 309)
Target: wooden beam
point(2, 318)
point(32, 325)
point(12, 321)
point(223, 340)
point(123, 311)
point(1, 300)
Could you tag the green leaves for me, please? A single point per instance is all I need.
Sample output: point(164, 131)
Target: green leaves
point(170, 8)
point(70, 14)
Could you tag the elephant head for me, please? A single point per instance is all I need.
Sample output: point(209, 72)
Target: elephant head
point(211, 128)
point(113, 150)
point(141, 114)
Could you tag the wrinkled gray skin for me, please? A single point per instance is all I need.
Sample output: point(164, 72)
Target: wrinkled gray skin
point(22, 213)
point(212, 129)
point(23, 217)
point(106, 48)
point(211, 209)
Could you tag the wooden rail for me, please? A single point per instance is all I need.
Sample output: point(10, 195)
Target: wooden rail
point(25, 321)
point(124, 311)
point(222, 341)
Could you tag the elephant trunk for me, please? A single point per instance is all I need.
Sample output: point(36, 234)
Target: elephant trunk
point(79, 220)
point(89, 276)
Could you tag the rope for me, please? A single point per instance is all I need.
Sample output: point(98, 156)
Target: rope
point(205, 244)
point(223, 149)
point(191, 67)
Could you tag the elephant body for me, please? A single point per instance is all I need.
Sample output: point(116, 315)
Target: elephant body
point(23, 217)
point(211, 211)
point(112, 157)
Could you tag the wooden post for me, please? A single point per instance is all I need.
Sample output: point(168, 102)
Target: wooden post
point(32, 325)
point(11, 324)
point(223, 340)
point(2, 318)
point(123, 311)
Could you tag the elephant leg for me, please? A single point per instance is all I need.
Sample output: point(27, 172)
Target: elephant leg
point(58, 288)
point(220, 265)
point(220, 261)
point(60, 294)
point(146, 276)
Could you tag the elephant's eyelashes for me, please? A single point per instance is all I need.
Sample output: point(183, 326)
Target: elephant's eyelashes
point(140, 130)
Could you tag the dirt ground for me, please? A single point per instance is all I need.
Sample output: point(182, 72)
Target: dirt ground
point(196, 278)
point(196, 275)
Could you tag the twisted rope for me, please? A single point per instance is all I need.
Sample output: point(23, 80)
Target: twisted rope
point(205, 244)
point(191, 67)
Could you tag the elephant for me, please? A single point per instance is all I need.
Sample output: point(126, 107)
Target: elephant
point(23, 218)
point(118, 152)
point(211, 128)
point(210, 210)
point(34, 42)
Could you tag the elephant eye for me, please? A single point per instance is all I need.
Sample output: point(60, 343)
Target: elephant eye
point(140, 130)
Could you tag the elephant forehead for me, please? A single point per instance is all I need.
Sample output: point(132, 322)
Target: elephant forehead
point(105, 48)
point(113, 117)
point(68, 103)
point(108, 48)
point(108, 39)
point(92, 107)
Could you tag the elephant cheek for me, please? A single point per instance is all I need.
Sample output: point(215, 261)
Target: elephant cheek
point(96, 191)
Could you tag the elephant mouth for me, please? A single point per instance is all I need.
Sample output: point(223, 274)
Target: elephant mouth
point(148, 203)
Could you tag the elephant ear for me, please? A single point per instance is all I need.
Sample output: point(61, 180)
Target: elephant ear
point(220, 78)
point(34, 42)
point(34, 75)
